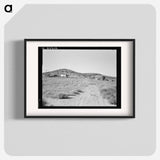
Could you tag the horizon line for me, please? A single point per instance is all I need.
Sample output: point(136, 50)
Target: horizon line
point(79, 72)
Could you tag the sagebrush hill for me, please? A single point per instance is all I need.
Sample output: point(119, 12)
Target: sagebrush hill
point(64, 87)
point(72, 74)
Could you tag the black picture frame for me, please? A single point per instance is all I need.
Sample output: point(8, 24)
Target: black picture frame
point(25, 76)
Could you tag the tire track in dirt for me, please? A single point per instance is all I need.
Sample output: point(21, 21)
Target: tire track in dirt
point(92, 97)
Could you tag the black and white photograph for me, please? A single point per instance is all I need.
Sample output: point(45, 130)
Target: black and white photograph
point(78, 77)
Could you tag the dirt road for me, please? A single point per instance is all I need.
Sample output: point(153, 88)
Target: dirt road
point(90, 97)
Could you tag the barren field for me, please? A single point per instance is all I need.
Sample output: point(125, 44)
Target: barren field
point(78, 91)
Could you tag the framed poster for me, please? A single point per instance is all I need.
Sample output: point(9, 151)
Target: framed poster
point(80, 78)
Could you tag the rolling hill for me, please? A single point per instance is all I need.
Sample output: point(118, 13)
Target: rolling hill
point(65, 87)
point(72, 74)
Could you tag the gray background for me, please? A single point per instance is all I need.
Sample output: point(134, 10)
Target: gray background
point(81, 136)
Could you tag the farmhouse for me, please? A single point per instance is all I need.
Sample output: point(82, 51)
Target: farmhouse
point(63, 75)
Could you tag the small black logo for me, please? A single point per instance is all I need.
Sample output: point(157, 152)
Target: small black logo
point(8, 8)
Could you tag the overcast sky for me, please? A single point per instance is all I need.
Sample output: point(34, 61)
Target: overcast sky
point(84, 61)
